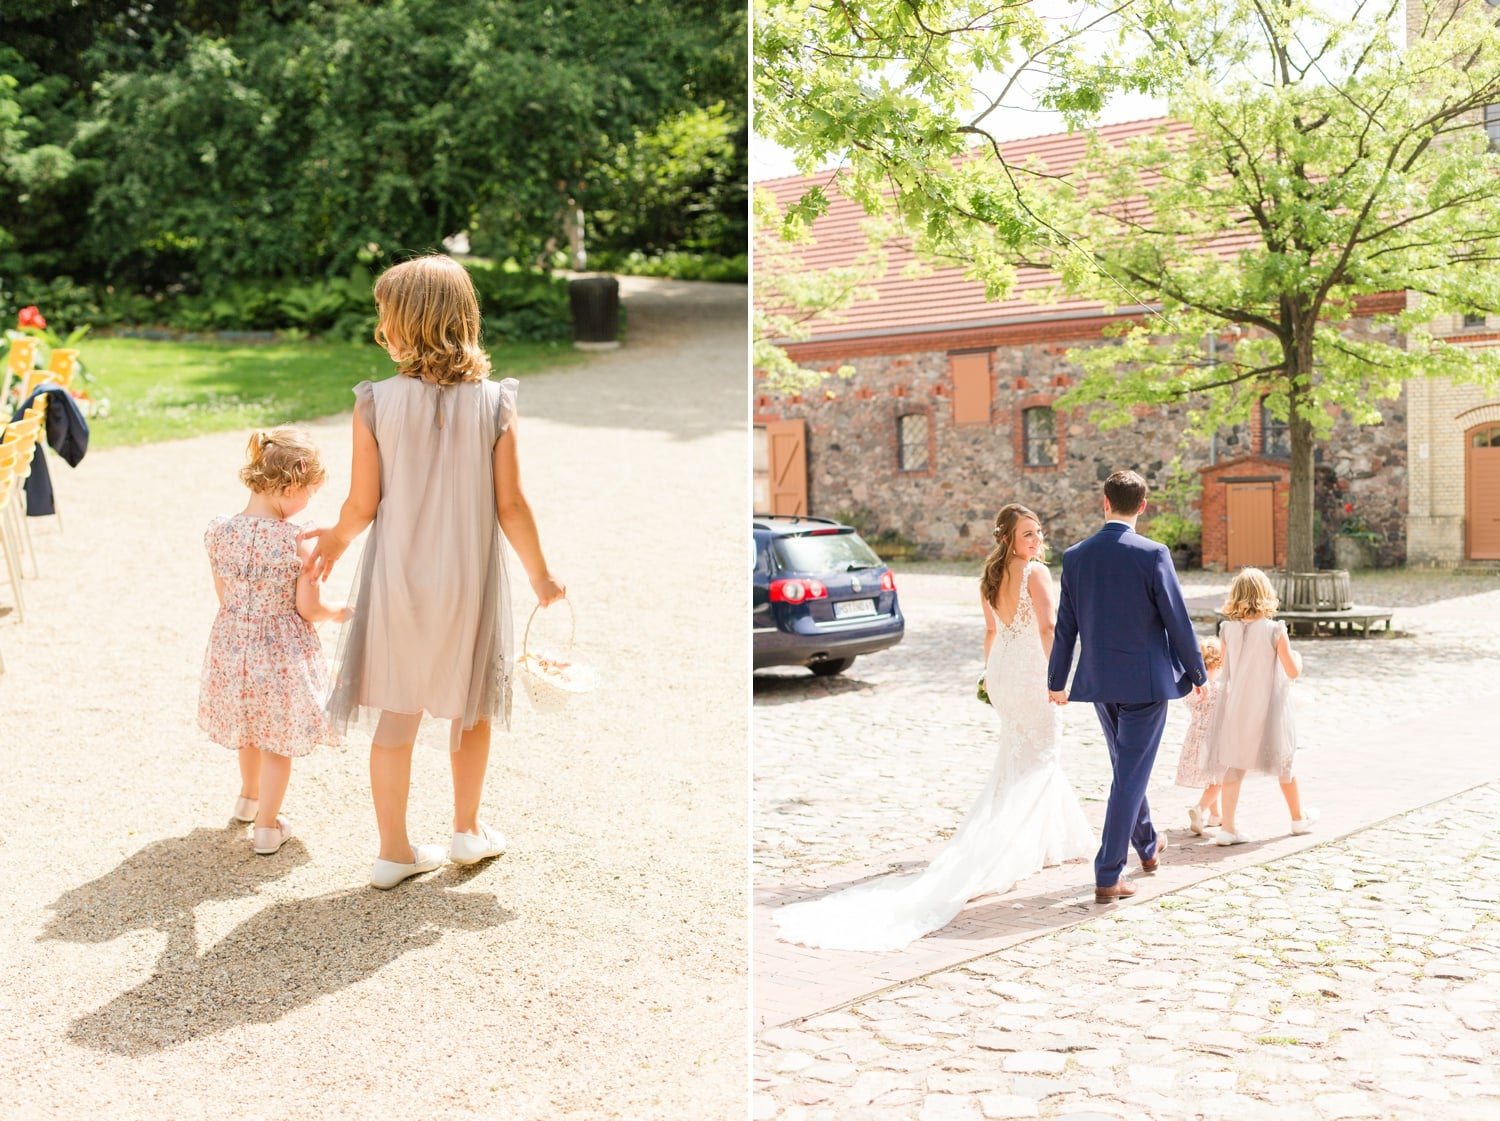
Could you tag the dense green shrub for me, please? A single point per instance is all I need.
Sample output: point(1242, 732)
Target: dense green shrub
point(192, 147)
point(675, 265)
point(518, 305)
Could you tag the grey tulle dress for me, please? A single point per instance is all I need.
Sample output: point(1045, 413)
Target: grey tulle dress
point(1253, 728)
point(431, 629)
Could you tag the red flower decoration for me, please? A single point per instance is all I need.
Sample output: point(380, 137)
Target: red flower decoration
point(1348, 507)
point(31, 317)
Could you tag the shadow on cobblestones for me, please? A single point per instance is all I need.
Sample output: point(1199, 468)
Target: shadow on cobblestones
point(799, 685)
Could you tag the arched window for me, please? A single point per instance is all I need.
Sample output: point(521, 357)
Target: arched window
point(1275, 435)
point(1039, 431)
point(913, 450)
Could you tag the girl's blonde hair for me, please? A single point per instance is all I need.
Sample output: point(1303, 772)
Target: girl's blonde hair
point(429, 310)
point(1250, 596)
point(279, 458)
point(1004, 534)
point(1213, 653)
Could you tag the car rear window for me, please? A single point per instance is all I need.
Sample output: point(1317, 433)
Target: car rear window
point(824, 553)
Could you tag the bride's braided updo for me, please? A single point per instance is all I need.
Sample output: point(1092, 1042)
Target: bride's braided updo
point(1004, 534)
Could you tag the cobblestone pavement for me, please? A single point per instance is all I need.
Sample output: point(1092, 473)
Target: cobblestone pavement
point(1359, 978)
point(1281, 976)
point(887, 756)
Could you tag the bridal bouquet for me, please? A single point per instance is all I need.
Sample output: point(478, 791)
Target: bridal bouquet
point(982, 693)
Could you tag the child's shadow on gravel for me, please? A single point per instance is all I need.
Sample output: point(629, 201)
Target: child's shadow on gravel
point(158, 887)
point(284, 956)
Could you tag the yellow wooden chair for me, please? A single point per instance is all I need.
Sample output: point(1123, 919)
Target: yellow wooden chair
point(23, 436)
point(7, 542)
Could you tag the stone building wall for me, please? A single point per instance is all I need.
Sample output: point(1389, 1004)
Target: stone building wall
point(946, 509)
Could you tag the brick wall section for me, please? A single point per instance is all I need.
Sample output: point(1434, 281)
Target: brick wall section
point(853, 471)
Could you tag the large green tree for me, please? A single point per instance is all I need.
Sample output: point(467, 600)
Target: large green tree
point(210, 140)
point(1324, 160)
point(904, 99)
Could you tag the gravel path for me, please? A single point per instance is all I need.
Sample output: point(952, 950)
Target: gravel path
point(154, 968)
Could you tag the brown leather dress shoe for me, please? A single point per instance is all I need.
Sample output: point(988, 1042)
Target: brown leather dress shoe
point(1161, 845)
point(1114, 892)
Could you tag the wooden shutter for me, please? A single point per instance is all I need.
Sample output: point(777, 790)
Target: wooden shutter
point(1252, 524)
point(787, 442)
point(971, 388)
point(1484, 498)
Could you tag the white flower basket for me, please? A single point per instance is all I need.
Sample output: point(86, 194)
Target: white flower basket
point(553, 678)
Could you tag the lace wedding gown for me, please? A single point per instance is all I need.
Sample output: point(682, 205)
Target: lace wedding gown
point(1026, 817)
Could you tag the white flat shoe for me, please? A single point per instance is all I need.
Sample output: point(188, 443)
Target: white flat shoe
point(388, 873)
point(268, 840)
point(1225, 837)
point(245, 809)
point(470, 849)
point(1195, 820)
point(1305, 824)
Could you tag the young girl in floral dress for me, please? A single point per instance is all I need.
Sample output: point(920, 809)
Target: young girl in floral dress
point(264, 680)
point(436, 472)
point(1201, 709)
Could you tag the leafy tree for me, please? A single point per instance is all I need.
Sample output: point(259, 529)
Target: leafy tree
point(1333, 163)
point(209, 141)
point(903, 97)
point(788, 297)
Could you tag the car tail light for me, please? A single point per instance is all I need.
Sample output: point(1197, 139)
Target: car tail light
point(888, 581)
point(796, 591)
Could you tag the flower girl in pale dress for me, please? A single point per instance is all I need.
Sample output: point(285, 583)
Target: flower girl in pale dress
point(436, 472)
point(1253, 728)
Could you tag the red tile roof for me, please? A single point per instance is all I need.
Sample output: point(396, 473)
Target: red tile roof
point(943, 299)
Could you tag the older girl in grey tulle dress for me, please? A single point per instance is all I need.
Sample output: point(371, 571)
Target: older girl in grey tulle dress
point(1253, 728)
point(435, 470)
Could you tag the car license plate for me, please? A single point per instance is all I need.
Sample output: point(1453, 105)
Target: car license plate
point(853, 608)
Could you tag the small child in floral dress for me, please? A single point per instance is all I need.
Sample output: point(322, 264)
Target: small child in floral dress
point(264, 679)
point(1189, 763)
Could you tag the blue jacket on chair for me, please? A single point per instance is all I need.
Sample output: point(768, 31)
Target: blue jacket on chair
point(67, 435)
point(1121, 598)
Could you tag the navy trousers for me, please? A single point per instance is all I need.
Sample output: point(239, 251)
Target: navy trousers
point(1133, 733)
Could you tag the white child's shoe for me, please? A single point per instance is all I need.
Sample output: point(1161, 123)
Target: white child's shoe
point(1195, 820)
point(1225, 837)
point(245, 809)
point(1304, 824)
point(388, 873)
point(269, 839)
point(470, 849)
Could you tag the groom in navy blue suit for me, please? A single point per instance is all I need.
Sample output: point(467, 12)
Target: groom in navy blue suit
point(1121, 598)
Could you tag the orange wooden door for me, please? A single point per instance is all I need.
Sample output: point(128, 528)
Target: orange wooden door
point(1252, 532)
point(786, 445)
point(1483, 490)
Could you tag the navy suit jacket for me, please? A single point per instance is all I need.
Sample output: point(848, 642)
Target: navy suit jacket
point(1121, 599)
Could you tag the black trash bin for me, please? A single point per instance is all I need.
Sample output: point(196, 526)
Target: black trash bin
point(595, 302)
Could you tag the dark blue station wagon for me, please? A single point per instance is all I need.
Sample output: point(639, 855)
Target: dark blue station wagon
point(821, 595)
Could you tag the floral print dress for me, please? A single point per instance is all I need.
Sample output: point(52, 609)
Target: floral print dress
point(264, 679)
point(1190, 770)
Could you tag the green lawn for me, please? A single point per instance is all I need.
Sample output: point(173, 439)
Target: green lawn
point(169, 390)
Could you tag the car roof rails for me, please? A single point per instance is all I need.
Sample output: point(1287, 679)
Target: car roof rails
point(799, 518)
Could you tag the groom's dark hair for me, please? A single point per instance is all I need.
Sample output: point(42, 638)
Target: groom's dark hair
point(1125, 491)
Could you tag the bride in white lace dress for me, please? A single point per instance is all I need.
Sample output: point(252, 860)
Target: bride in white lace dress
point(1027, 816)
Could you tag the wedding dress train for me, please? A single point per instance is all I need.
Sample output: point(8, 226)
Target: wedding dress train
point(1027, 817)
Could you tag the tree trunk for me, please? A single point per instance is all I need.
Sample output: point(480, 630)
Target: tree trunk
point(1299, 520)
